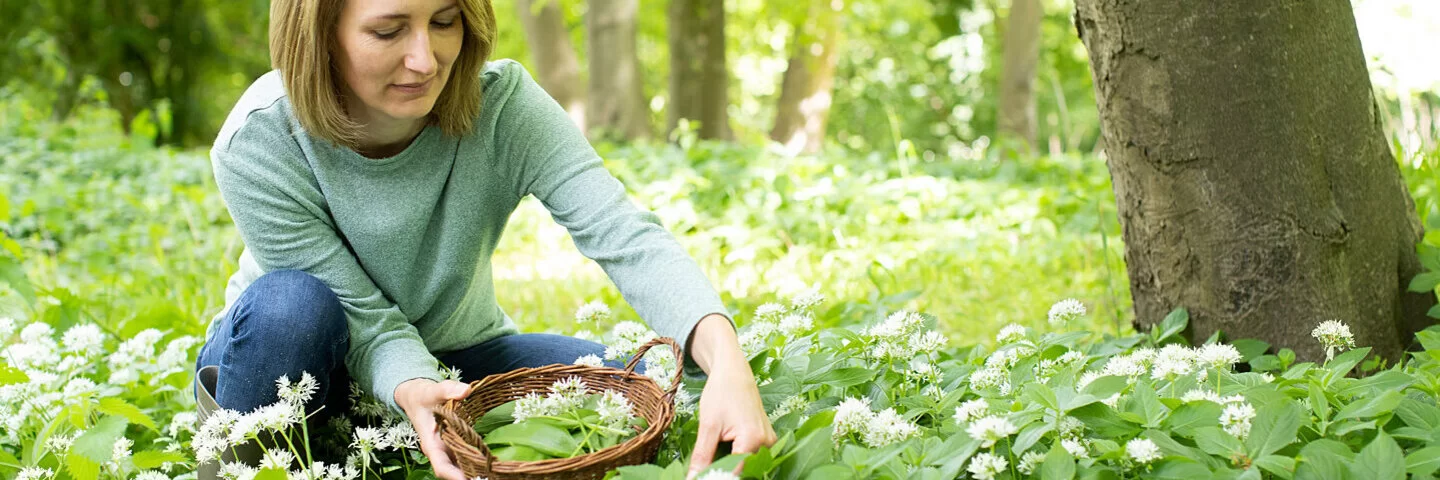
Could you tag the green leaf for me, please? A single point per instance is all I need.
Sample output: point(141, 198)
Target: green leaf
point(1106, 386)
point(496, 418)
point(812, 451)
point(13, 274)
point(1031, 434)
point(1250, 348)
point(543, 437)
point(1381, 460)
point(1058, 464)
point(1281, 466)
point(1423, 462)
point(271, 474)
point(1214, 441)
point(1273, 428)
point(98, 442)
point(1105, 421)
point(1318, 402)
point(1370, 407)
point(1342, 363)
point(11, 375)
point(421, 474)
point(1041, 394)
point(1173, 324)
point(1183, 469)
point(1425, 282)
point(1190, 416)
point(845, 377)
point(81, 468)
point(1145, 404)
point(1324, 459)
point(151, 459)
point(518, 453)
point(116, 406)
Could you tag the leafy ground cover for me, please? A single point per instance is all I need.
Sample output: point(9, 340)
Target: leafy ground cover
point(113, 256)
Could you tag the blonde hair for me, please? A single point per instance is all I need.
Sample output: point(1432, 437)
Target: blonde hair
point(302, 38)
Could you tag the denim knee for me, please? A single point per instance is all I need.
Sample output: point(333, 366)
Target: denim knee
point(294, 310)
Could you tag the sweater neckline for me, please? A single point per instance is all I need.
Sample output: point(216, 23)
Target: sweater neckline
point(398, 159)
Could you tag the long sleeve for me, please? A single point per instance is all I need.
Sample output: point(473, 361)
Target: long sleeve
point(558, 166)
point(282, 215)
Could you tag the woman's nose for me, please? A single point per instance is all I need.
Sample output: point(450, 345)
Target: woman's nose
point(420, 57)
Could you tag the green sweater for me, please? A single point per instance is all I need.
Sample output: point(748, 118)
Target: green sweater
point(405, 242)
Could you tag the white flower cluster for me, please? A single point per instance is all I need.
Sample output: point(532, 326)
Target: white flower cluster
point(569, 394)
point(1235, 419)
point(1010, 334)
point(793, 404)
point(136, 357)
point(901, 337)
point(991, 429)
point(853, 416)
point(227, 428)
point(971, 410)
point(592, 313)
point(790, 323)
point(1142, 450)
point(987, 466)
point(590, 360)
point(1065, 311)
point(1168, 363)
point(1334, 335)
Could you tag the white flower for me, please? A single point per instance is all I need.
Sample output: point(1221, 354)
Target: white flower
point(37, 332)
point(534, 405)
point(1071, 427)
point(615, 410)
point(1086, 378)
point(60, 443)
point(1142, 450)
point(401, 436)
point(1029, 461)
point(1236, 419)
point(794, 325)
point(182, 422)
point(1200, 394)
point(615, 353)
point(151, 475)
point(34, 473)
point(807, 299)
point(1218, 355)
point(369, 439)
point(1334, 335)
point(986, 466)
point(790, 405)
point(85, 339)
point(299, 392)
point(592, 312)
point(852, 415)
point(120, 450)
point(79, 386)
point(1066, 311)
point(991, 429)
point(277, 458)
point(450, 373)
point(989, 377)
point(971, 410)
point(237, 471)
point(7, 328)
point(928, 342)
point(1075, 447)
point(1173, 361)
point(888, 427)
point(769, 311)
point(1010, 334)
point(590, 360)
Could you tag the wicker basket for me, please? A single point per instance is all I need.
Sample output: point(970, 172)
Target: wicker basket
point(455, 419)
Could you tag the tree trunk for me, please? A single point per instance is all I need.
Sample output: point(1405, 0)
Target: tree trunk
point(617, 106)
point(698, 76)
point(1017, 75)
point(555, 63)
point(1254, 184)
point(805, 96)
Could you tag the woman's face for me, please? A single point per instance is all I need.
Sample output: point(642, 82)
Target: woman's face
point(394, 56)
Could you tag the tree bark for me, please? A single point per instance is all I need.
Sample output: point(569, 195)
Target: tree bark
point(698, 77)
point(805, 92)
point(556, 67)
point(1253, 182)
point(617, 107)
point(1021, 50)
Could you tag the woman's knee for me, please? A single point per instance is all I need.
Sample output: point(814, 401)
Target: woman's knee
point(296, 304)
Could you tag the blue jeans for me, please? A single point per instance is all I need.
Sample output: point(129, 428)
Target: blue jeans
point(288, 322)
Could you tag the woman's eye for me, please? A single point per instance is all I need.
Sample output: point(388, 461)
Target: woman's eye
point(387, 35)
point(445, 24)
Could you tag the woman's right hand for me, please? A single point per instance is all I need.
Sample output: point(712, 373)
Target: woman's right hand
point(419, 398)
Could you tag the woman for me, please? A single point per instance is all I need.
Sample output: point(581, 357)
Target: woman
point(371, 176)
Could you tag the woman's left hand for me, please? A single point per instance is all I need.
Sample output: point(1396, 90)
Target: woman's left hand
point(730, 408)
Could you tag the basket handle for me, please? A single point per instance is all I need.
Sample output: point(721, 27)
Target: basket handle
point(679, 360)
point(445, 417)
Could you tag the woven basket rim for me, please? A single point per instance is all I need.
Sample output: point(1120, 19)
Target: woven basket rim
point(450, 413)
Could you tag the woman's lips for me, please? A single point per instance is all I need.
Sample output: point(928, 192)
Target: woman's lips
point(413, 88)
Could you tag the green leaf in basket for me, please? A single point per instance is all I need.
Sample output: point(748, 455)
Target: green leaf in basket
point(519, 453)
point(543, 437)
point(495, 418)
